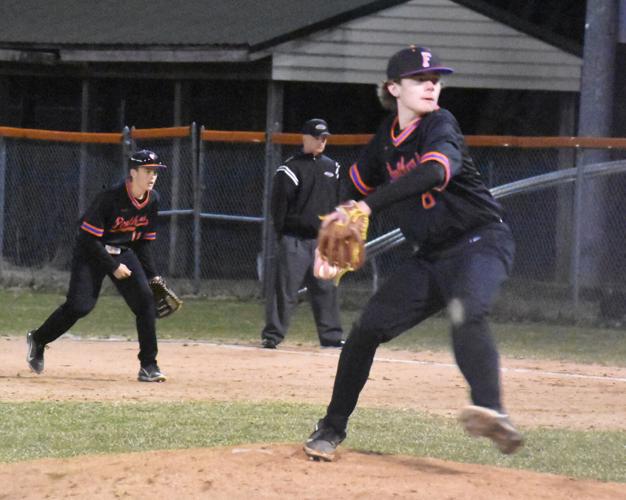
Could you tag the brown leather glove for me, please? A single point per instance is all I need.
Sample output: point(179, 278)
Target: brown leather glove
point(342, 236)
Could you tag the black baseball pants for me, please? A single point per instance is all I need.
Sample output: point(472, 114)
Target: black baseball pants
point(465, 278)
point(85, 284)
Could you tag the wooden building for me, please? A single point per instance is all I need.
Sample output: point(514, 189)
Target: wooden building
point(240, 64)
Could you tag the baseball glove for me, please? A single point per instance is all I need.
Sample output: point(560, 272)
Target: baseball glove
point(165, 300)
point(322, 270)
point(341, 238)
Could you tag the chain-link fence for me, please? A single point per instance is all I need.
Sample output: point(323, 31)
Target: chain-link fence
point(570, 234)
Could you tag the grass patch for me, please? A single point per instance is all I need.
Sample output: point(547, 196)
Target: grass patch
point(222, 320)
point(65, 429)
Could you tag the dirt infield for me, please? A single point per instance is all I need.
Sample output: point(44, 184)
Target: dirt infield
point(537, 393)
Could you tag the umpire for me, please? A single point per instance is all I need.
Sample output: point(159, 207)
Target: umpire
point(305, 186)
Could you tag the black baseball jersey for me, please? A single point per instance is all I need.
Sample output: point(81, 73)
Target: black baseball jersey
point(117, 219)
point(305, 187)
point(434, 217)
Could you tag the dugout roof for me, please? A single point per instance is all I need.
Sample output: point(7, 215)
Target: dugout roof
point(224, 23)
point(341, 41)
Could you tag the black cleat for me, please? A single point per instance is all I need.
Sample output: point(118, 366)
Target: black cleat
point(479, 421)
point(34, 355)
point(268, 343)
point(322, 444)
point(336, 343)
point(151, 373)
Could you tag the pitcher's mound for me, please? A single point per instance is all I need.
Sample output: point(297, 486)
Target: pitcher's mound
point(282, 471)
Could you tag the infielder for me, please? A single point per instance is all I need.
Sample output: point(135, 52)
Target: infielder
point(114, 240)
point(418, 163)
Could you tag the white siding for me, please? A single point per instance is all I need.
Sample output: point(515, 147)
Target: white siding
point(484, 53)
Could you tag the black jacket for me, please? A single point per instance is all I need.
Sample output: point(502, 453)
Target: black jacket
point(305, 187)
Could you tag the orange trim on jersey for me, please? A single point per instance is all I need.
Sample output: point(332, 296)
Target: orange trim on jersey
point(407, 131)
point(136, 203)
point(355, 176)
point(443, 161)
point(149, 236)
point(428, 200)
point(96, 231)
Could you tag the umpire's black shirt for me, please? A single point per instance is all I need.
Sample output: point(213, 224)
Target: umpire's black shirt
point(305, 187)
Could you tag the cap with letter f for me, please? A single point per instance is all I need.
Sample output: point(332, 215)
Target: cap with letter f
point(414, 61)
point(145, 158)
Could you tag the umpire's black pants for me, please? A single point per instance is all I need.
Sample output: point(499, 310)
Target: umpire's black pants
point(85, 284)
point(465, 278)
point(294, 269)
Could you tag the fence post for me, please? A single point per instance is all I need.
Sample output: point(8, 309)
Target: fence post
point(577, 231)
point(273, 124)
point(175, 204)
point(82, 167)
point(126, 148)
point(131, 137)
point(595, 118)
point(197, 158)
point(564, 194)
point(3, 170)
point(82, 180)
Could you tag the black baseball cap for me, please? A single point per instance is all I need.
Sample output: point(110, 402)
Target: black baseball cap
point(414, 61)
point(145, 158)
point(315, 127)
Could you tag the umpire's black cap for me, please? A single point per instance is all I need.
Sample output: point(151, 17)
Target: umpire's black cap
point(145, 158)
point(414, 61)
point(315, 127)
